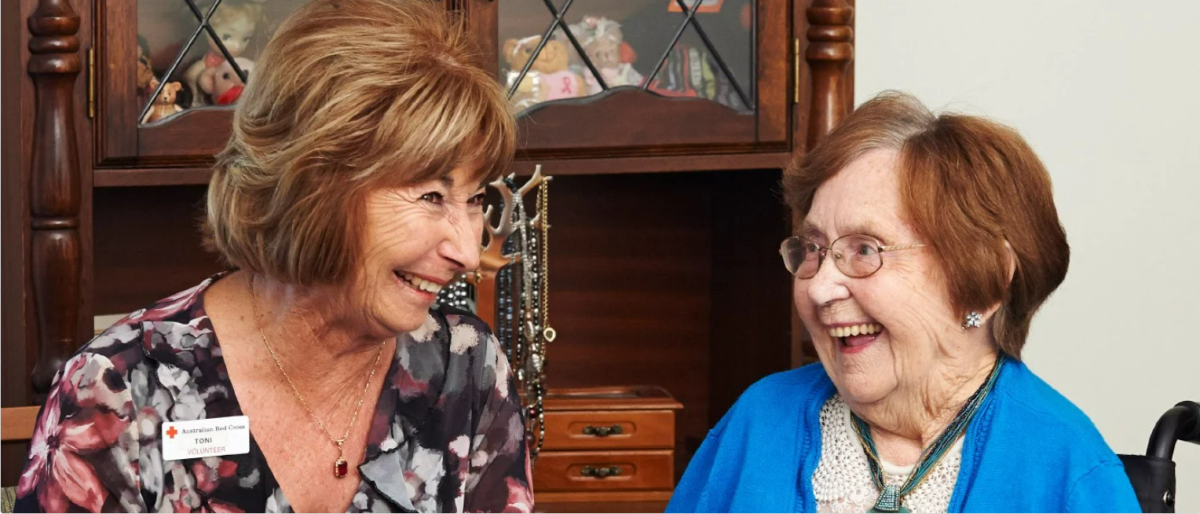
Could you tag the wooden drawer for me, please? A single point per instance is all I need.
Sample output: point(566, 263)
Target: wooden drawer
point(602, 501)
point(610, 430)
point(604, 471)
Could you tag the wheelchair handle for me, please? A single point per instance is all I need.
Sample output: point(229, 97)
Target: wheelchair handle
point(1181, 423)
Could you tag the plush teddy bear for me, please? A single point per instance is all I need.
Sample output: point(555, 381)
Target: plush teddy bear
point(164, 106)
point(222, 83)
point(604, 44)
point(550, 76)
point(235, 23)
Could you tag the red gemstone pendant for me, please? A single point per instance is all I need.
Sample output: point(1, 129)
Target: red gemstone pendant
point(340, 468)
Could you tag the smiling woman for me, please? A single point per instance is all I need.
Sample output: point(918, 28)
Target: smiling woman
point(349, 193)
point(944, 241)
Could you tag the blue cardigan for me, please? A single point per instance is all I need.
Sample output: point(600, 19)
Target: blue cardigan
point(1028, 449)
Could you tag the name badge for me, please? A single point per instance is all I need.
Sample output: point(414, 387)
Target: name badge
point(205, 438)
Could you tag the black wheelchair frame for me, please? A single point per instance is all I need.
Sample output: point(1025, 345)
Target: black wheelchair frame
point(1153, 474)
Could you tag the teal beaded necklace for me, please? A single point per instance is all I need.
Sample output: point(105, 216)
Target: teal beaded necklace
point(890, 498)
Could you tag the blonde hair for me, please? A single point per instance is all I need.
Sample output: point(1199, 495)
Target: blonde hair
point(349, 96)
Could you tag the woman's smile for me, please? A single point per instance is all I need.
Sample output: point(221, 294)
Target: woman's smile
point(854, 337)
point(424, 287)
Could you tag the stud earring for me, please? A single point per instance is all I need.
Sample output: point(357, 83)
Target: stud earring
point(974, 320)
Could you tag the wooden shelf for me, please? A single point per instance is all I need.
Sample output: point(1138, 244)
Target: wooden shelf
point(659, 164)
point(135, 177)
point(150, 177)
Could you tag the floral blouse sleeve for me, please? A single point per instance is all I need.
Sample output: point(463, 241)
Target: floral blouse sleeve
point(83, 454)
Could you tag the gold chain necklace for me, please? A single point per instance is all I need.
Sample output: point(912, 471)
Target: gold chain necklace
point(548, 332)
point(340, 467)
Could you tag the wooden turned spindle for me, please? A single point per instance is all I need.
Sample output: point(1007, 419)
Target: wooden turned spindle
point(830, 50)
point(54, 188)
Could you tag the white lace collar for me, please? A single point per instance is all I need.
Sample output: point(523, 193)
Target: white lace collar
point(842, 481)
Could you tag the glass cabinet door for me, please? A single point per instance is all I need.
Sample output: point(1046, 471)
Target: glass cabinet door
point(598, 75)
point(559, 50)
point(200, 54)
point(169, 72)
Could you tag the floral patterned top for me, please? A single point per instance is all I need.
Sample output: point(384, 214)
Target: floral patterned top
point(447, 433)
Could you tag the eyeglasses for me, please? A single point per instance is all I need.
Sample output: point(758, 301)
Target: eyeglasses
point(856, 255)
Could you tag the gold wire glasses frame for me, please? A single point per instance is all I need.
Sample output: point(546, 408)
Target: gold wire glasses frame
point(855, 255)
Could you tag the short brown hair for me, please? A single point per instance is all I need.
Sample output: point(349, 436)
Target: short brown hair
point(349, 96)
point(968, 185)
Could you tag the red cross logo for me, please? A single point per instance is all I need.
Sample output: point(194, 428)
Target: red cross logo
point(171, 432)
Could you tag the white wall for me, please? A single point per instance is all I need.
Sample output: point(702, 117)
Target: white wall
point(1108, 94)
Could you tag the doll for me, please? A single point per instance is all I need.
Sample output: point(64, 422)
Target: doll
point(145, 73)
point(605, 46)
point(235, 24)
point(222, 83)
point(146, 81)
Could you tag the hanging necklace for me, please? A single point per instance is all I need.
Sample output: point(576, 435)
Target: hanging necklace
point(890, 498)
point(340, 467)
point(529, 351)
point(547, 334)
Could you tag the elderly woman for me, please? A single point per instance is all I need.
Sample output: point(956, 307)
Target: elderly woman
point(923, 248)
point(315, 377)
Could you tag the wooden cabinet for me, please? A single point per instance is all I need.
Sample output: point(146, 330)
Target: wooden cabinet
point(723, 83)
point(666, 207)
point(607, 449)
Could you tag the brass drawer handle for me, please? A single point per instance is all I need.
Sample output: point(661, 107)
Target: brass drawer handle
point(602, 431)
point(601, 471)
